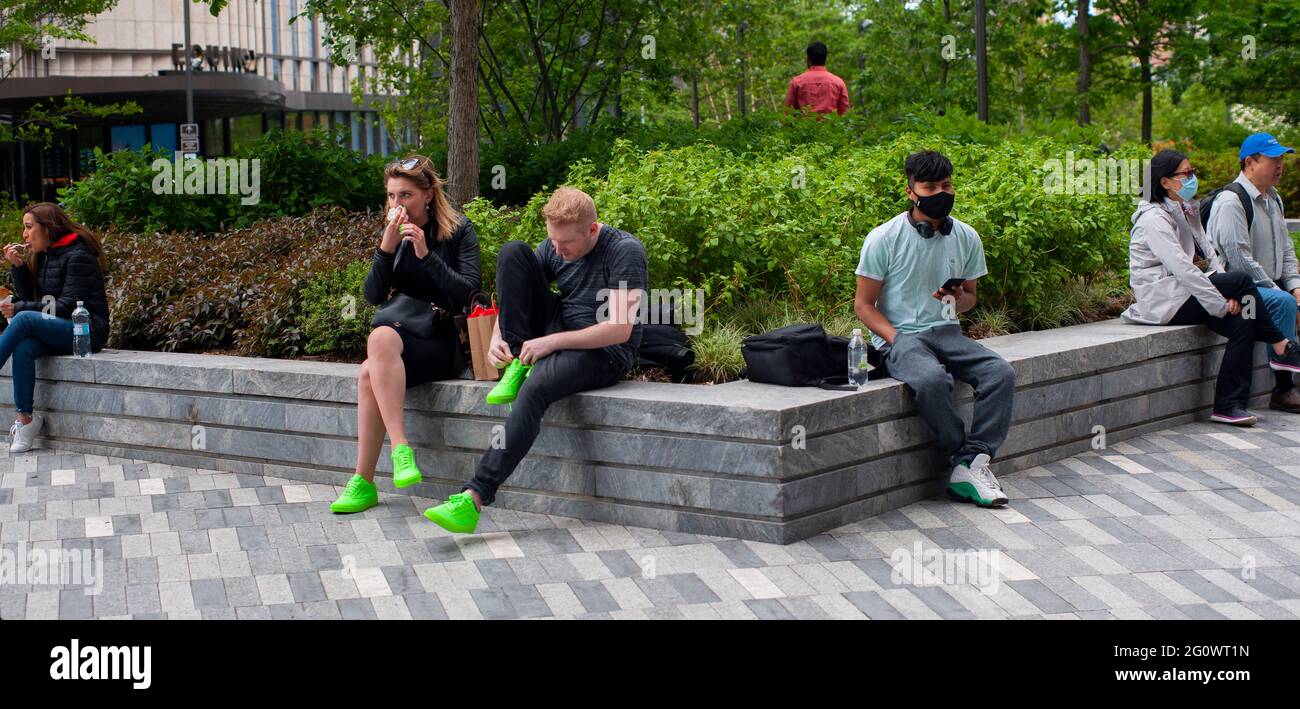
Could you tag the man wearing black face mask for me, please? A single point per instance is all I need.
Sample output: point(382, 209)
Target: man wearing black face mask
point(915, 274)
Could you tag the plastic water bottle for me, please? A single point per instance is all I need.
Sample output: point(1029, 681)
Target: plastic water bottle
point(858, 366)
point(81, 331)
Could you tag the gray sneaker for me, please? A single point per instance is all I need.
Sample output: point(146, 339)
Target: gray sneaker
point(21, 437)
point(975, 482)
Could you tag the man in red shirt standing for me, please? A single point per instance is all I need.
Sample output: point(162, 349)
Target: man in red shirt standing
point(817, 89)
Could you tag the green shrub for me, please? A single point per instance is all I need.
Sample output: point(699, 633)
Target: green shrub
point(120, 192)
point(717, 353)
point(300, 172)
point(789, 223)
point(334, 314)
point(296, 174)
point(241, 290)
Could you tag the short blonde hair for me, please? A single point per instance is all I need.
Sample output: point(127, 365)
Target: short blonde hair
point(570, 205)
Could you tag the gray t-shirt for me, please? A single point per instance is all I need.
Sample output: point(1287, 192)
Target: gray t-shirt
point(617, 261)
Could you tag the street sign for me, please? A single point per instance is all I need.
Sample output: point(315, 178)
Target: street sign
point(189, 137)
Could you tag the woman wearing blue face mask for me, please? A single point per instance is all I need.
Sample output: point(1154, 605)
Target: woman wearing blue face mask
point(1178, 279)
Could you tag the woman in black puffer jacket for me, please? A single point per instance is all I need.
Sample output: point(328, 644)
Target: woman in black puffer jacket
point(64, 264)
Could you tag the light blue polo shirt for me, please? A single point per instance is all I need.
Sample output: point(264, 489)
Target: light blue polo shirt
point(912, 267)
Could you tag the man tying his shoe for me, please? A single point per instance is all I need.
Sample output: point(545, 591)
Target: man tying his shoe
point(553, 346)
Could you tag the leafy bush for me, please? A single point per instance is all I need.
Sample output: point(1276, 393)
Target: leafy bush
point(296, 174)
point(334, 314)
point(243, 290)
point(790, 222)
point(300, 172)
point(120, 193)
point(11, 221)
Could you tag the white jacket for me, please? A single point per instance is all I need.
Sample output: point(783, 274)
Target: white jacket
point(1161, 247)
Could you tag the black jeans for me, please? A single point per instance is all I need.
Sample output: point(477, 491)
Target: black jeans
point(1233, 387)
point(529, 309)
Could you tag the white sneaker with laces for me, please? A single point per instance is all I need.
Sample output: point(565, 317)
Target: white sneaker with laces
point(22, 436)
point(976, 483)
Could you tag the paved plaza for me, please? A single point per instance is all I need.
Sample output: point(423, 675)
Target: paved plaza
point(1198, 521)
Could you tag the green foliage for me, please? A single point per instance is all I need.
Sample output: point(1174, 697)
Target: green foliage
point(300, 172)
point(243, 290)
point(11, 221)
point(790, 222)
point(334, 314)
point(120, 193)
point(296, 174)
point(717, 353)
point(39, 122)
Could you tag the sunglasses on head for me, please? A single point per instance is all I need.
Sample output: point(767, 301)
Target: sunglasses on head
point(407, 164)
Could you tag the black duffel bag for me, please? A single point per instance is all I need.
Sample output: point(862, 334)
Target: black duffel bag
point(801, 355)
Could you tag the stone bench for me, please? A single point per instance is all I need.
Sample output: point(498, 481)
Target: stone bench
point(740, 459)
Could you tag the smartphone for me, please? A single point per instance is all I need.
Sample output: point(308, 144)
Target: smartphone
point(952, 284)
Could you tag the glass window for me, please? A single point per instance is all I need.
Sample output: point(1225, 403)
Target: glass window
point(127, 137)
point(88, 139)
point(342, 127)
point(56, 165)
point(276, 64)
point(163, 136)
point(212, 137)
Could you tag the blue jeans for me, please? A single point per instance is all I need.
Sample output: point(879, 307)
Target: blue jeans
point(1281, 308)
point(31, 335)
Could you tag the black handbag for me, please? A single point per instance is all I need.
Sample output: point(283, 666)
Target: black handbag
point(407, 314)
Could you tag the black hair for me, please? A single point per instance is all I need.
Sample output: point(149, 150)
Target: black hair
point(1163, 165)
point(817, 52)
point(927, 166)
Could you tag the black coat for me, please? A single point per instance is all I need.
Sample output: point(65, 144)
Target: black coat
point(69, 273)
point(446, 277)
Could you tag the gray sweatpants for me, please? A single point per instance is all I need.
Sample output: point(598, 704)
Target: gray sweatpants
point(928, 361)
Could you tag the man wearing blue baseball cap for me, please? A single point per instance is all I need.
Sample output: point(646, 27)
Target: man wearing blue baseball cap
point(1249, 229)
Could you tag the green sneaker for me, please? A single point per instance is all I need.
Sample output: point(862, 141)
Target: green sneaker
point(508, 388)
point(358, 496)
point(405, 474)
point(457, 514)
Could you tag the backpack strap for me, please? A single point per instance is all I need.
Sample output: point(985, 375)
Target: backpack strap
point(1237, 189)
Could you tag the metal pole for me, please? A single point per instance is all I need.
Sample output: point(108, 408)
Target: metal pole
point(981, 63)
point(189, 67)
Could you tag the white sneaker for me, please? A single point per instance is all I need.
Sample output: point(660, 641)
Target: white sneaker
point(976, 484)
point(21, 437)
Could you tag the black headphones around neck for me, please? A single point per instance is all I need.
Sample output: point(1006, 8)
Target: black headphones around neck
point(926, 229)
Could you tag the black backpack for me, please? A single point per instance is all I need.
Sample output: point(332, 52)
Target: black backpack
point(1235, 188)
point(666, 346)
point(801, 355)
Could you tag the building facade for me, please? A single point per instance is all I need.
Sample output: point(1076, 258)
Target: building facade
point(255, 71)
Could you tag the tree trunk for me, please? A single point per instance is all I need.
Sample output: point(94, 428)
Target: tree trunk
point(947, 20)
point(1145, 59)
point(695, 101)
point(1084, 83)
point(462, 110)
